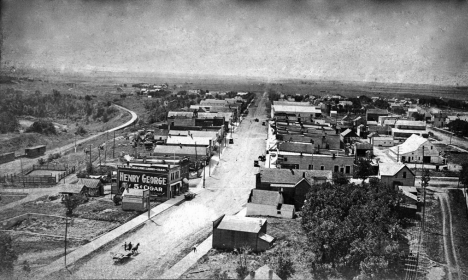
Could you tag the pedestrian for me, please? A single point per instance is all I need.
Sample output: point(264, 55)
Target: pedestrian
point(194, 249)
point(125, 246)
point(130, 246)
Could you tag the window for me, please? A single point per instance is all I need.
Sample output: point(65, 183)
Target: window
point(348, 169)
point(285, 159)
point(322, 167)
point(431, 147)
point(311, 167)
point(336, 168)
point(404, 174)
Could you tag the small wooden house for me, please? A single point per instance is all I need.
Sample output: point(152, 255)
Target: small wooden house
point(233, 232)
point(135, 200)
point(92, 187)
point(269, 203)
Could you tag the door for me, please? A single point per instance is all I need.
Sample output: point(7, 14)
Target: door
point(426, 159)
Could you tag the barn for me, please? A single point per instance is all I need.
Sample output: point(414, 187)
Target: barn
point(233, 232)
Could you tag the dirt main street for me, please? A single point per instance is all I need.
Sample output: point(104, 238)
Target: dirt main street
point(169, 236)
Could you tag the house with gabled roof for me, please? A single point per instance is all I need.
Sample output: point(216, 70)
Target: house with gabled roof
point(396, 174)
point(293, 184)
point(268, 203)
point(416, 149)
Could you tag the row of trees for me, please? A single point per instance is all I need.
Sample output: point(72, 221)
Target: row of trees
point(459, 127)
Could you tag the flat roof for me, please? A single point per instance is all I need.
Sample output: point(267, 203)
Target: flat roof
point(295, 109)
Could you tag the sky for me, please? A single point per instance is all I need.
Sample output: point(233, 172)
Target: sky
point(360, 40)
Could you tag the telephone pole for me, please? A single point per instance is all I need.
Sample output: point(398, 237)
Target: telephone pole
point(113, 147)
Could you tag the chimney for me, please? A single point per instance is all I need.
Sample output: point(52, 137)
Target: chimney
point(303, 174)
point(270, 274)
point(252, 274)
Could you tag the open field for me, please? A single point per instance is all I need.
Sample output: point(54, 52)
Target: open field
point(9, 198)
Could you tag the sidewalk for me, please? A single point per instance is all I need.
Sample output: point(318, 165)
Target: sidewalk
point(106, 238)
point(192, 258)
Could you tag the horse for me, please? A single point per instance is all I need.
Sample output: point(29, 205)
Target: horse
point(135, 249)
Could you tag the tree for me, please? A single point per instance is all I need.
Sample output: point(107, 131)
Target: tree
point(464, 175)
point(354, 229)
point(285, 267)
point(8, 255)
point(242, 270)
point(382, 104)
point(340, 179)
point(417, 116)
point(73, 201)
point(362, 169)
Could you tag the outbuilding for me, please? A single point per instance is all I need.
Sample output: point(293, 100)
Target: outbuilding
point(36, 151)
point(268, 203)
point(234, 232)
point(135, 200)
point(396, 174)
point(92, 187)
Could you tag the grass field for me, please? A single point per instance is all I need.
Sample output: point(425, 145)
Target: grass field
point(9, 198)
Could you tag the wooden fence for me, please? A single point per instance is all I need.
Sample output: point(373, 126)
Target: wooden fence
point(24, 179)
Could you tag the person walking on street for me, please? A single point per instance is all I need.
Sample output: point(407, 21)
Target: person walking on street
point(194, 249)
point(130, 246)
point(125, 246)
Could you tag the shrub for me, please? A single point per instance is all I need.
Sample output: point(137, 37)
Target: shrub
point(42, 127)
point(8, 255)
point(41, 161)
point(80, 130)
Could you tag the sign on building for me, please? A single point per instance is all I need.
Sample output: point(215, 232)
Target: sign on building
point(153, 179)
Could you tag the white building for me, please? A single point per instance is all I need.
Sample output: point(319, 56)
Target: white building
point(416, 149)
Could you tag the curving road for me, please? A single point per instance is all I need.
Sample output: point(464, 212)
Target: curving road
point(168, 237)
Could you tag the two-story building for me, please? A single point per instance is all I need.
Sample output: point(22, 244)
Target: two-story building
point(396, 174)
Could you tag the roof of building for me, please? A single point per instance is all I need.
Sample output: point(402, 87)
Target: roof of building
point(376, 111)
point(296, 109)
point(215, 102)
point(226, 115)
point(381, 138)
point(287, 207)
point(244, 224)
point(133, 192)
point(296, 147)
point(410, 145)
point(291, 103)
point(71, 188)
point(90, 183)
point(179, 150)
point(185, 140)
point(410, 123)
point(263, 273)
point(291, 176)
point(348, 133)
point(364, 146)
point(183, 114)
point(35, 147)
point(179, 133)
point(266, 197)
point(390, 168)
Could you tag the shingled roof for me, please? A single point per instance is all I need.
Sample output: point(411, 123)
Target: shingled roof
point(296, 147)
point(266, 197)
point(244, 224)
point(291, 176)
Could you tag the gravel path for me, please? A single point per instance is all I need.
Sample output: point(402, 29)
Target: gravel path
point(449, 242)
point(168, 237)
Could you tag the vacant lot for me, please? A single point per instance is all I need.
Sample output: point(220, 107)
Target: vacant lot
point(289, 235)
point(7, 198)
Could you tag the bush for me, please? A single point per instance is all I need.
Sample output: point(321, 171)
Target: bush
point(8, 255)
point(42, 127)
point(80, 131)
point(41, 161)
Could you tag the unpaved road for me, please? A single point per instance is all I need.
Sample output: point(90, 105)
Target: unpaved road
point(167, 238)
point(449, 241)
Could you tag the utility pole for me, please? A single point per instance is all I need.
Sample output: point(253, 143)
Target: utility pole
point(90, 163)
point(66, 231)
point(204, 169)
point(113, 148)
point(196, 158)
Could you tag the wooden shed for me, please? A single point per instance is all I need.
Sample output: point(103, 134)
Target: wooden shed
point(233, 232)
point(92, 187)
point(135, 200)
point(36, 151)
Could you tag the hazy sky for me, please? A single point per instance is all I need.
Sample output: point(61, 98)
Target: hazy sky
point(361, 40)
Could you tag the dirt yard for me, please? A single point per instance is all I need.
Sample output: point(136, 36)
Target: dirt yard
point(289, 235)
point(7, 198)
